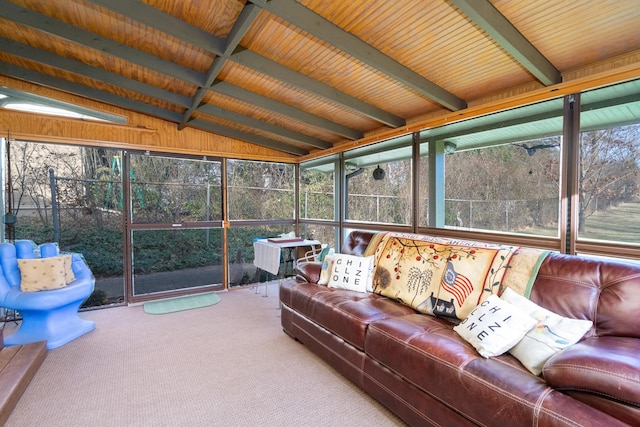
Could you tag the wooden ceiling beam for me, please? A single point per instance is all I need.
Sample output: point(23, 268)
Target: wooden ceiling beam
point(500, 29)
point(44, 23)
point(240, 28)
point(271, 68)
point(166, 23)
point(150, 16)
point(87, 92)
point(248, 137)
point(309, 21)
point(40, 22)
point(249, 97)
point(267, 127)
point(82, 69)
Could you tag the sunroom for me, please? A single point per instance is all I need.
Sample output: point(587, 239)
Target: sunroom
point(160, 139)
point(529, 143)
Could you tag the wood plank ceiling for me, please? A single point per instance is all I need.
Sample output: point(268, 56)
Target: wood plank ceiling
point(302, 76)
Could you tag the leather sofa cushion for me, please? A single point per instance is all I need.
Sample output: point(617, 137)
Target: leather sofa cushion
point(345, 313)
point(608, 366)
point(607, 293)
point(361, 243)
point(428, 353)
point(308, 271)
point(623, 412)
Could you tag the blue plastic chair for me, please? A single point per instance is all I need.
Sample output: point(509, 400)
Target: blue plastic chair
point(50, 315)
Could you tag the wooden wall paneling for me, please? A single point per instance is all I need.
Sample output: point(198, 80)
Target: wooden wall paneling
point(140, 133)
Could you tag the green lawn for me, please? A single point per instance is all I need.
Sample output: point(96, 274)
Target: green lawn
point(620, 223)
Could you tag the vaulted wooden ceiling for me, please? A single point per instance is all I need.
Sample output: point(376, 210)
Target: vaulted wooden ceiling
point(302, 76)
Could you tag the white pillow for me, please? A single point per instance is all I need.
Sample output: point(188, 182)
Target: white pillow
point(494, 326)
point(552, 333)
point(352, 272)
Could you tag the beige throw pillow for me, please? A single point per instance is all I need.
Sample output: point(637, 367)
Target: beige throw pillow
point(325, 272)
point(552, 333)
point(42, 274)
point(68, 271)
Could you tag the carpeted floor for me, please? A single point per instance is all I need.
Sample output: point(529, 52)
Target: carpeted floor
point(229, 364)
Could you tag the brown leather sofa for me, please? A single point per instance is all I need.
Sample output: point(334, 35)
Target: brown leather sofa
point(418, 367)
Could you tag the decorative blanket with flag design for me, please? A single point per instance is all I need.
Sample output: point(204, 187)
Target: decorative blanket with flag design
point(449, 277)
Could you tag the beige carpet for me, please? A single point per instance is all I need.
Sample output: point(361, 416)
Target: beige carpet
point(225, 365)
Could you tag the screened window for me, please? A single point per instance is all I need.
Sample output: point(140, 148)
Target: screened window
point(260, 190)
point(70, 195)
point(378, 183)
point(423, 196)
point(172, 190)
point(317, 189)
point(173, 259)
point(609, 164)
point(507, 188)
point(503, 171)
point(325, 234)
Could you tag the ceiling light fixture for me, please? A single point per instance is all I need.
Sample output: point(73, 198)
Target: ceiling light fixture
point(450, 147)
point(350, 166)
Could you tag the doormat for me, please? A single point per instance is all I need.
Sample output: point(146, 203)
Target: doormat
point(188, 302)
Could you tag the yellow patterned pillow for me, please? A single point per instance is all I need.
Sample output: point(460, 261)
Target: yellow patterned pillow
point(42, 274)
point(68, 271)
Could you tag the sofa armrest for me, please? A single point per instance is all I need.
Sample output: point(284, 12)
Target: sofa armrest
point(308, 272)
point(606, 366)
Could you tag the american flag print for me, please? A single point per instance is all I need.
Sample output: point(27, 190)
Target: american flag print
point(456, 284)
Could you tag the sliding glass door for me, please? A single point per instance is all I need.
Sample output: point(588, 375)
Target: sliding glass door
point(176, 224)
point(168, 260)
